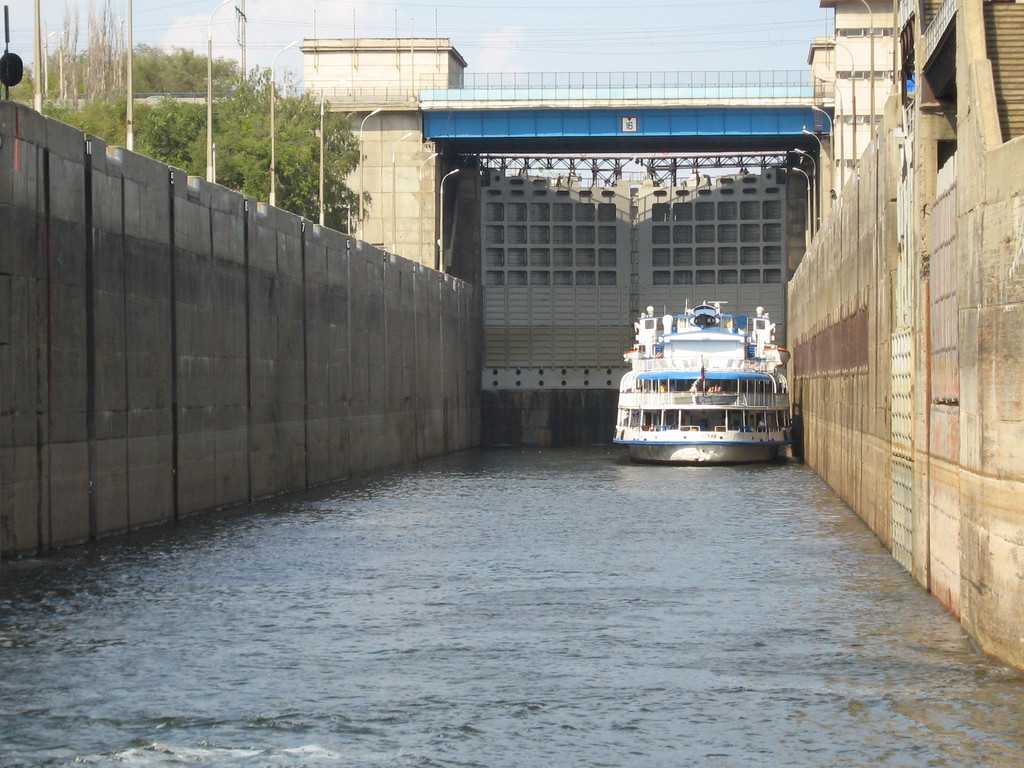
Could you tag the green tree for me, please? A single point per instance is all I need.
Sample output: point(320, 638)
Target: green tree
point(105, 119)
point(179, 72)
point(173, 130)
point(242, 136)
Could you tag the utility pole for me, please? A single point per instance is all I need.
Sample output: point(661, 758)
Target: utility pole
point(240, 31)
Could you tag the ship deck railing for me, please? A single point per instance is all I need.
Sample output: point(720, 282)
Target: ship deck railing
point(651, 400)
point(710, 365)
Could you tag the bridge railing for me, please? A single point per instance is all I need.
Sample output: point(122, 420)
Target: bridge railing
point(576, 86)
point(579, 86)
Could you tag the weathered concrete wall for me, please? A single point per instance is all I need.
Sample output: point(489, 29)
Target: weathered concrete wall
point(548, 417)
point(168, 346)
point(907, 339)
point(839, 331)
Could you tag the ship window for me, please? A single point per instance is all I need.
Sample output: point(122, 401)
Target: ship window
point(662, 277)
point(516, 212)
point(661, 235)
point(540, 211)
point(515, 257)
point(727, 233)
point(494, 211)
point(682, 257)
point(705, 277)
point(773, 276)
point(772, 233)
point(538, 277)
point(494, 257)
point(772, 209)
point(606, 212)
point(495, 278)
point(494, 234)
point(750, 209)
point(772, 254)
point(585, 257)
point(607, 257)
point(682, 211)
point(727, 276)
point(584, 278)
point(750, 276)
point(727, 210)
point(750, 254)
point(607, 235)
point(517, 277)
point(705, 211)
point(705, 233)
point(561, 235)
point(659, 212)
point(561, 212)
point(606, 277)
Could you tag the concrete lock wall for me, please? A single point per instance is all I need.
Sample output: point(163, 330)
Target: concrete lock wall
point(907, 324)
point(169, 346)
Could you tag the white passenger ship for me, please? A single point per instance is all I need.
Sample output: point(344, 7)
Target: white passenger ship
point(705, 387)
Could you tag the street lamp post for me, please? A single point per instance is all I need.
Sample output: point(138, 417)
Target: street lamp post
point(37, 57)
point(439, 262)
point(853, 99)
point(322, 90)
point(423, 241)
point(807, 235)
point(871, 24)
point(210, 172)
point(362, 169)
point(273, 137)
point(831, 138)
point(835, 127)
point(816, 206)
point(130, 88)
point(394, 198)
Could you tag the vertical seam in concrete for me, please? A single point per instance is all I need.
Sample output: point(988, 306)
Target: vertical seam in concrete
point(125, 342)
point(173, 319)
point(305, 357)
point(248, 348)
point(44, 448)
point(417, 417)
point(90, 340)
point(348, 353)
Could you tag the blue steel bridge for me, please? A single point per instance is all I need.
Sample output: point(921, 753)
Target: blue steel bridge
point(627, 112)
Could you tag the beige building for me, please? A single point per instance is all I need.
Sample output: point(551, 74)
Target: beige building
point(854, 70)
point(378, 80)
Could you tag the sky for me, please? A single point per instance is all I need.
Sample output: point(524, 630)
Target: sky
point(492, 35)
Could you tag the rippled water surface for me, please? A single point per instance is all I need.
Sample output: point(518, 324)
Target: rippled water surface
point(500, 608)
